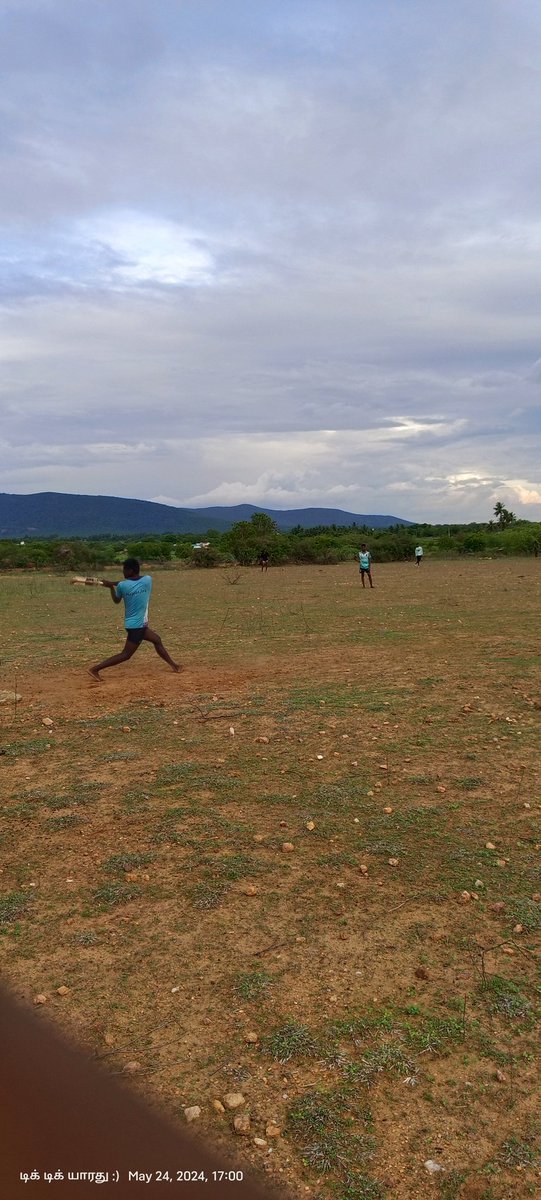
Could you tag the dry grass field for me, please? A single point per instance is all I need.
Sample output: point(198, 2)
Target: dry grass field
point(371, 991)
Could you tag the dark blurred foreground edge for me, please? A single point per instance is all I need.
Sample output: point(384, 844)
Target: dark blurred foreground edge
point(60, 1115)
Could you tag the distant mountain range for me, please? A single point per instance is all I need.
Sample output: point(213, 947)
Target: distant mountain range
point(58, 514)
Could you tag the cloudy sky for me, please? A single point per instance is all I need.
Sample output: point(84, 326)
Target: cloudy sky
point(284, 252)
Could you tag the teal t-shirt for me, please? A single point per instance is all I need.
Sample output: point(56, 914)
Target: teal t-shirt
point(364, 560)
point(136, 596)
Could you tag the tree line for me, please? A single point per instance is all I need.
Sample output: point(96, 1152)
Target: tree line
point(243, 543)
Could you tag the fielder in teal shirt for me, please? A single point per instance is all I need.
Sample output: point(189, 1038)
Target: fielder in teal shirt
point(365, 564)
point(135, 591)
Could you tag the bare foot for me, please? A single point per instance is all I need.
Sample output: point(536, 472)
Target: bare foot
point(177, 668)
point(93, 671)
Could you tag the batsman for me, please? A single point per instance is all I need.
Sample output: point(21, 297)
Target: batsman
point(135, 591)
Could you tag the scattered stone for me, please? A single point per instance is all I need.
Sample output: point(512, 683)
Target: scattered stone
point(272, 1130)
point(499, 1075)
point(441, 788)
point(536, 896)
point(498, 907)
point(507, 950)
point(251, 1037)
point(259, 837)
point(465, 897)
point(10, 697)
point(126, 728)
point(433, 1167)
point(260, 1142)
point(40, 998)
point(263, 740)
point(393, 862)
point(479, 883)
point(132, 1068)
point(489, 846)
point(356, 821)
point(310, 825)
point(383, 766)
point(192, 1113)
point(174, 990)
point(249, 889)
point(501, 862)
point(287, 847)
point(421, 973)
point(109, 1039)
point(518, 929)
point(340, 884)
point(363, 869)
point(242, 1124)
point(63, 991)
point(218, 1106)
point(234, 1100)
point(388, 808)
point(320, 756)
point(47, 722)
point(370, 791)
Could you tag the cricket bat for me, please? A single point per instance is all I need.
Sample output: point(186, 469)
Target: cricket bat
point(88, 580)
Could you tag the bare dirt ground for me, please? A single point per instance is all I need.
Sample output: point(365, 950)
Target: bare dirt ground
point(371, 992)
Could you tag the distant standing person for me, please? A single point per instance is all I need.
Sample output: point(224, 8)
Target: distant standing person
point(418, 555)
point(264, 560)
point(365, 564)
point(135, 591)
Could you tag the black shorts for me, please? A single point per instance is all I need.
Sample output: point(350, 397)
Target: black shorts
point(136, 635)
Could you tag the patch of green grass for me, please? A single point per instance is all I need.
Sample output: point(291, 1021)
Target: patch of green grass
point(206, 895)
point(68, 821)
point(515, 1153)
point(13, 906)
point(34, 746)
point(525, 912)
point(470, 782)
point(388, 1057)
point(451, 1185)
point(86, 937)
point(504, 997)
point(435, 1034)
point(117, 892)
point(291, 1040)
point(126, 862)
point(175, 773)
point(320, 1123)
point(363, 1188)
point(253, 985)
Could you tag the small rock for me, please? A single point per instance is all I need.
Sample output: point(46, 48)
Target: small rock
point(287, 847)
point(363, 869)
point(421, 973)
point(109, 1039)
point(218, 1106)
point(132, 1068)
point(356, 821)
point(63, 991)
point(272, 1130)
point(40, 998)
point(192, 1113)
point(393, 862)
point(388, 808)
point(498, 907)
point(242, 1124)
point(47, 721)
point(489, 846)
point(518, 929)
point(507, 950)
point(433, 1167)
point(10, 697)
point(536, 896)
point(126, 728)
point(441, 788)
point(174, 990)
point(310, 825)
point(479, 883)
point(263, 740)
point(234, 1100)
point(499, 1075)
point(320, 756)
point(259, 837)
point(249, 889)
point(501, 862)
point(465, 897)
point(251, 1037)
point(260, 1142)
